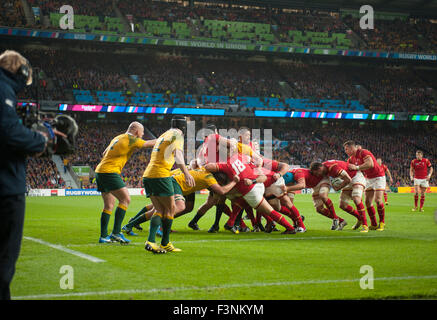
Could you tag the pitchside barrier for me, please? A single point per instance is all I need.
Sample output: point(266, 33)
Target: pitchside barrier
point(140, 192)
point(94, 192)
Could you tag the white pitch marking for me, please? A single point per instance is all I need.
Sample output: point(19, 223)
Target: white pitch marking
point(225, 286)
point(64, 249)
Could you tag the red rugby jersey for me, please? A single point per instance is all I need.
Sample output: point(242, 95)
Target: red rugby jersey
point(269, 168)
point(420, 168)
point(335, 167)
point(235, 166)
point(310, 180)
point(360, 156)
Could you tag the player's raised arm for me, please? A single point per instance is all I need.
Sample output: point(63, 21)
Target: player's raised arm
point(222, 190)
point(260, 179)
point(282, 169)
point(149, 143)
point(180, 163)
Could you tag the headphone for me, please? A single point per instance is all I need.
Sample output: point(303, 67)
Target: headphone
point(23, 73)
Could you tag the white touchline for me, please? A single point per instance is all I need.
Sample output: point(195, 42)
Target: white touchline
point(64, 249)
point(224, 286)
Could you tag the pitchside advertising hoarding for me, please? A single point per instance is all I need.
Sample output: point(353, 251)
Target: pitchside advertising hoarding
point(140, 192)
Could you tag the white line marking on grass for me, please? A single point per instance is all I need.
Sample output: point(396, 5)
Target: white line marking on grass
point(64, 249)
point(224, 286)
point(237, 240)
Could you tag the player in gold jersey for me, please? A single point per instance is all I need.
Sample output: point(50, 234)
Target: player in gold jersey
point(185, 194)
point(111, 185)
point(160, 186)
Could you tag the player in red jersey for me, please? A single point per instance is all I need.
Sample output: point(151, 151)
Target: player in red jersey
point(303, 178)
point(216, 148)
point(420, 175)
point(275, 192)
point(363, 160)
point(388, 174)
point(352, 187)
point(251, 187)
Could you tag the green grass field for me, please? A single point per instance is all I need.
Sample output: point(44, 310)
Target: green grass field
point(319, 264)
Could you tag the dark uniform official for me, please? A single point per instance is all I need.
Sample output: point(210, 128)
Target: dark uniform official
point(16, 142)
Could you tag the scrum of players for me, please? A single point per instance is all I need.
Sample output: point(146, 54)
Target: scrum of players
point(235, 170)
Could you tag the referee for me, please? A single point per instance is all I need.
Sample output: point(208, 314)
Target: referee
point(16, 142)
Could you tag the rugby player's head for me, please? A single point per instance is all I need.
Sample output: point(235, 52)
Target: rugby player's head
point(136, 129)
point(244, 134)
point(350, 147)
point(256, 145)
point(221, 178)
point(419, 154)
point(179, 122)
point(212, 127)
point(379, 160)
point(18, 66)
point(317, 169)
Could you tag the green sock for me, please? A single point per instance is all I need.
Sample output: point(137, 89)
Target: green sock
point(155, 222)
point(118, 219)
point(104, 220)
point(143, 210)
point(166, 229)
point(138, 220)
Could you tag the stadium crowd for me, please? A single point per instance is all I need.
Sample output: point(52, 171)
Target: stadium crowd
point(402, 34)
point(378, 88)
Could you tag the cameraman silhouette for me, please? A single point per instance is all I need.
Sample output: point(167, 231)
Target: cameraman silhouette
point(16, 143)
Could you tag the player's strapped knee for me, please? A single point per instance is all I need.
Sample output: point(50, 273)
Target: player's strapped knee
point(167, 216)
point(357, 192)
point(122, 206)
point(179, 197)
point(157, 214)
point(324, 189)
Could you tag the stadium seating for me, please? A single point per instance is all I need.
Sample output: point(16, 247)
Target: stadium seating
point(12, 14)
point(173, 80)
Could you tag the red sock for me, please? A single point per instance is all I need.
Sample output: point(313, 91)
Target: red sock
point(372, 214)
point(416, 199)
point(331, 209)
point(385, 196)
point(422, 201)
point(362, 212)
point(325, 212)
point(235, 211)
point(286, 211)
point(268, 218)
point(381, 212)
point(249, 212)
point(298, 218)
point(349, 209)
point(277, 217)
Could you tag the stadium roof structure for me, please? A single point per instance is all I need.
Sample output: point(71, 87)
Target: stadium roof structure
point(426, 8)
